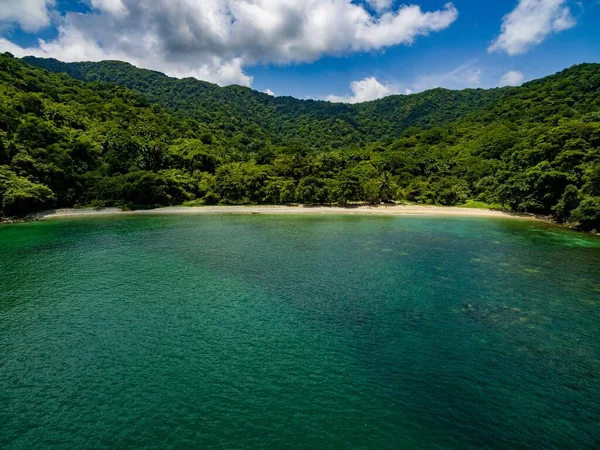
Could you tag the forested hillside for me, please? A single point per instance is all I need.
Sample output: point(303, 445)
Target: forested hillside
point(66, 142)
point(316, 125)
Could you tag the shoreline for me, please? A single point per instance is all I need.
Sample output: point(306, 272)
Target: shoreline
point(387, 210)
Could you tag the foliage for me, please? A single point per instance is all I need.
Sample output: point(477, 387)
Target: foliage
point(20, 196)
point(83, 137)
point(569, 202)
point(254, 117)
point(588, 213)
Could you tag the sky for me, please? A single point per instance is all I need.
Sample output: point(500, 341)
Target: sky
point(337, 50)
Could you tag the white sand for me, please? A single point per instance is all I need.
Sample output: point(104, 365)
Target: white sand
point(394, 210)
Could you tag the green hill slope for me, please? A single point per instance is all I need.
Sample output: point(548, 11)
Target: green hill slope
point(315, 124)
point(66, 142)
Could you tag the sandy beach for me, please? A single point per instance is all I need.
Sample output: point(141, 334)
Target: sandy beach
point(392, 210)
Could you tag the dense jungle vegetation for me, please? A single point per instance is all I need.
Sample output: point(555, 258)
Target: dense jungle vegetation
point(111, 134)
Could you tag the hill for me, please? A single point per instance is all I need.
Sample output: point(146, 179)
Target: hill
point(134, 137)
point(316, 125)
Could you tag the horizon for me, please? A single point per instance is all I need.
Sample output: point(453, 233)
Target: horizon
point(378, 48)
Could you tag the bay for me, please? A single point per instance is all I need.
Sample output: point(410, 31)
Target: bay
point(298, 332)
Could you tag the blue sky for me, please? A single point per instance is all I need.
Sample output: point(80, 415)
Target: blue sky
point(325, 49)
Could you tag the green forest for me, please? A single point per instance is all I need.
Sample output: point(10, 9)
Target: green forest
point(109, 134)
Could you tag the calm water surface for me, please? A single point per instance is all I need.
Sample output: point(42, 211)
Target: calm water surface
point(298, 332)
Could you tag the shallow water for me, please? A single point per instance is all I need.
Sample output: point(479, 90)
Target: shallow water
point(298, 332)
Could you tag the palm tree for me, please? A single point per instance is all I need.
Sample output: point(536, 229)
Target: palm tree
point(386, 187)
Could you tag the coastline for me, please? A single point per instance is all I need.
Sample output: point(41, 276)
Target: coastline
point(387, 210)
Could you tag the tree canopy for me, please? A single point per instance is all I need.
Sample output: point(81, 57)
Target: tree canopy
point(111, 134)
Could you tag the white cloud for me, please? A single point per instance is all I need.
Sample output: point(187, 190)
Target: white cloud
point(364, 91)
point(530, 23)
point(74, 44)
point(270, 92)
point(7, 46)
point(466, 76)
point(114, 7)
point(380, 5)
point(31, 15)
point(217, 39)
point(512, 78)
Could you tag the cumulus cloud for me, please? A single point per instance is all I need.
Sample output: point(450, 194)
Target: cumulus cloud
point(380, 5)
point(512, 78)
point(530, 23)
point(31, 15)
point(468, 75)
point(364, 91)
point(217, 39)
point(114, 7)
point(270, 92)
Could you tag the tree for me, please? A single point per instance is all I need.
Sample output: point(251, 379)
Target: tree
point(345, 188)
point(20, 196)
point(280, 190)
point(591, 180)
point(588, 214)
point(312, 191)
point(146, 139)
point(569, 202)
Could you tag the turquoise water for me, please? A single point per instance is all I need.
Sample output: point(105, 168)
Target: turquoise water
point(298, 332)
